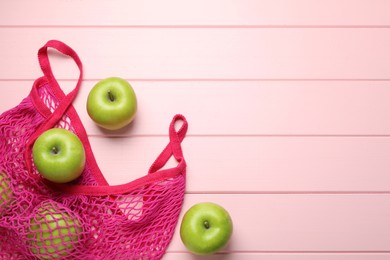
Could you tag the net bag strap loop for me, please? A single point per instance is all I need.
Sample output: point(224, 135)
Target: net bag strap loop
point(174, 147)
point(65, 102)
point(44, 62)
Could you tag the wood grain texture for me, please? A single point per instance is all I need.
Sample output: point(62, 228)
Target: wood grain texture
point(195, 13)
point(206, 53)
point(249, 108)
point(301, 223)
point(258, 164)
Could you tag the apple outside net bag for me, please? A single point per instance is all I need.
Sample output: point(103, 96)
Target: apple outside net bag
point(86, 218)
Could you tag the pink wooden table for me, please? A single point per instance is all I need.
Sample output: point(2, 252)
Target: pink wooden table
point(288, 103)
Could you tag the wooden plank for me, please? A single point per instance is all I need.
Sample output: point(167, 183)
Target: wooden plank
point(280, 256)
point(264, 108)
point(302, 223)
point(205, 53)
point(257, 164)
point(195, 13)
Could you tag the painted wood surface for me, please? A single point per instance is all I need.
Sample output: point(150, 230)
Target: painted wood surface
point(229, 13)
point(207, 53)
point(287, 100)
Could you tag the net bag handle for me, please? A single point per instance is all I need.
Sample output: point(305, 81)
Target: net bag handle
point(155, 173)
point(174, 146)
point(65, 102)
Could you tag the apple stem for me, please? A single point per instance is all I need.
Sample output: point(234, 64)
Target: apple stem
point(206, 224)
point(54, 150)
point(111, 96)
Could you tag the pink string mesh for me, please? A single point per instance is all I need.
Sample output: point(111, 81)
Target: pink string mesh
point(93, 221)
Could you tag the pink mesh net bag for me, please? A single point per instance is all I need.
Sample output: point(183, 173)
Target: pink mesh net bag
point(86, 218)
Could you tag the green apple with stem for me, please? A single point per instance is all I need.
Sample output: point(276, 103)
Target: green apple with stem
point(59, 155)
point(53, 231)
point(5, 191)
point(112, 103)
point(206, 228)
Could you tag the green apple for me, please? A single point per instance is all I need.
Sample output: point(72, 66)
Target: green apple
point(206, 228)
point(112, 103)
point(5, 191)
point(53, 231)
point(59, 155)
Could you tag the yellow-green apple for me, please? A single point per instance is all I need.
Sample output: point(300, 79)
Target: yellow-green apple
point(59, 155)
point(206, 228)
point(5, 191)
point(53, 231)
point(112, 103)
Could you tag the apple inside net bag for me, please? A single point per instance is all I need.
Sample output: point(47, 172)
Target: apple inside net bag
point(85, 218)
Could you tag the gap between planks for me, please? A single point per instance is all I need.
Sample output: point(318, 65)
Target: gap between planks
point(167, 26)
